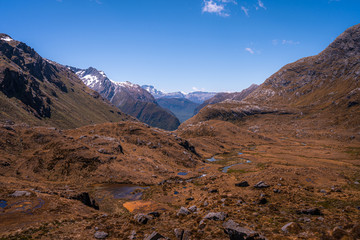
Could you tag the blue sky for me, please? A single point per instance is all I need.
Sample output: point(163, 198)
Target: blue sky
point(210, 45)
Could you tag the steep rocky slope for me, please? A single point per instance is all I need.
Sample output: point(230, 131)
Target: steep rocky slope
point(323, 86)
point(38, 91)
point(129, 98)
point(236, 96)
point(181, 107)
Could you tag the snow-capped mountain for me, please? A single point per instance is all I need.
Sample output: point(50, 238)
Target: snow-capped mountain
point(98, 81)
point(128, 97)
point(197, 97)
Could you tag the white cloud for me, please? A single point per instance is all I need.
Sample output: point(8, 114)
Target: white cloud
point(290, 42)
point(249, 50)
point(246, 10)
point(212, 7)
point(218, 7)
point(228, 1)
point(261, 4)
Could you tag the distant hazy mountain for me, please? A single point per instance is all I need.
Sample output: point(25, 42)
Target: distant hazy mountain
point(128, 97)
point(181, 107)
point(237, 96)
point(197, 97)
point(37, 91)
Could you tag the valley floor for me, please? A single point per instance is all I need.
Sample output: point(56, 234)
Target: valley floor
point(310, 190)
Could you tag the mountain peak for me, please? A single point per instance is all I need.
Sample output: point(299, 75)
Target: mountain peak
point(348, 40)
point(5, 37)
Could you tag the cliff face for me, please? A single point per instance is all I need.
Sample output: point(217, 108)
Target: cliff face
point(38, 91)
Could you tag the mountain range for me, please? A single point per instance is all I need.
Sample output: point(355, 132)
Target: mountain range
point(183, 105)
point(129, 98)
point(196, 97)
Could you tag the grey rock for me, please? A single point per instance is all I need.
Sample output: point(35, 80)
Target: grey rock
point(236, 232)
point(154, 236)
point(218, 216)
point(142, 218)
point(193, 208)
point(20, 194)
point(205, 204)
point(101, 235)
point(103, 151)
point(261, 184)
point(183, 211)
point(179, 233)
point(182, 234)
point(275, 190)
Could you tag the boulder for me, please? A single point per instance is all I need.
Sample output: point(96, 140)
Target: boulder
point(142, 218)
point(20, 194)
point(154, 236)
point(242, 184)
point(218, 216)
point(101, 235)
point(181, 234)
point(261, 184)
point(183, 211)
point(193, 208)
point(236, 232)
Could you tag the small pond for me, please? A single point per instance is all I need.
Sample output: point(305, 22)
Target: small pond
point(182, 173)
point(226, 169)
point(3, 204)
point(120, 191)
point(211, 159)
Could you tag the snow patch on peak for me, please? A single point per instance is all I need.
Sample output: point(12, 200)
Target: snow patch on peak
point(80, 73)
point(90, 80)
point(102, 74)
point(7, 39)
